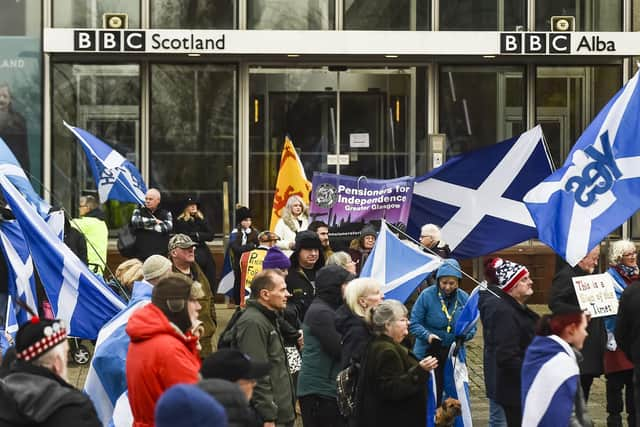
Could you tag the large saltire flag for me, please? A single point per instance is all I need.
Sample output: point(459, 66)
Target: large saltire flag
point(76, 295)
point(398, 266)
point(22, 283)
point(291, 181)
point(10, 167)
point(456, 383)
point(116, 178)
point(227, 276)
point(549, 382)
point(476, 198)
point(596, 189)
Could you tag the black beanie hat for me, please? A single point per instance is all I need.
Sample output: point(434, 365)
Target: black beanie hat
point(171, 295)
point(307, 240)
point(242, 213)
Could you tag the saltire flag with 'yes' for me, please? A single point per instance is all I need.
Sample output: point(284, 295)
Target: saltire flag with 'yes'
point(116, 178)
point(76, 295)
point(398, 266)
point(596, 189)
point(476, 198)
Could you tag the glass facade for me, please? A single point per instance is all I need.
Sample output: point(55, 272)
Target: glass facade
point(387, 15)
point(194, 14)
point(290, 14)
point(590, 15)
point(483, 15)
point(480, 105)
point(104, 100)
point(193, 135)
point(89, 14)
point(21, 83)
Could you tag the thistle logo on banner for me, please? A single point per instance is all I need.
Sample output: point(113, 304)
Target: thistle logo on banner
point(535, 43)
point(108, 41)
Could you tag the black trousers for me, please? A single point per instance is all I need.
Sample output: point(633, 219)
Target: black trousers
point(619, 384)
point(513, 414)
point(439, 352)
point(320, 411)
point(586, 381)
point(636, 389)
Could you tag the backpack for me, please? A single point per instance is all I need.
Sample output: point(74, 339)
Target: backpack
point(347, 388)
point(227, 337)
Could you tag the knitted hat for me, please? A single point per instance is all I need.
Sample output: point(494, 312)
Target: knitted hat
point(508, 273)
point(38, 336)
point(368, 230)
point(181, 241)
point(307, 240)
point(233, 365)
point(275, 258)
point(449, 268)
point(242, 213)
point(185, 405)
point(170, 295)
point(155, 266)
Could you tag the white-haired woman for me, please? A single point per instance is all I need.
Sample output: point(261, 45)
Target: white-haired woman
point(294, 218)
point(344, 260)
point(618, 369)
point(394, 380)
point(360, 296)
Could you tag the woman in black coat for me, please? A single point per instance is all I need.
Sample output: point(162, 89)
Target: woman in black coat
point(193, 223)
point(394, 382)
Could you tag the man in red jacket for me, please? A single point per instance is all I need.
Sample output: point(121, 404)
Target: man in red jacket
point(163, 350)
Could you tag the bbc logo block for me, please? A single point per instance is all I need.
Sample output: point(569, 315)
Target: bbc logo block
point(108, 41)
point(535, 43)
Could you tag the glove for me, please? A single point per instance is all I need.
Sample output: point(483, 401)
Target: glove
point(612, 345)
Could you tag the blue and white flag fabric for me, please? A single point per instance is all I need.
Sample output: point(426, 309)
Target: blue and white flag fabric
point(398, 266)
point(116, 178)
point(476, 198)
point(227, 277)
point(596, 189)
point(10, 167)
point(76, 295)
point(107, 379)
point(22, 283)
point(122, 415)
point(10, 320)
point(549, 382)
point(432, 401)
point(456, 375)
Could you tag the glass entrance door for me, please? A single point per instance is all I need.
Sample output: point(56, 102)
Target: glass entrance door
point(352, 122)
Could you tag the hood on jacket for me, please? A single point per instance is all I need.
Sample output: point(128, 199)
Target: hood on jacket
point(347, 319)
point(329, 281)
point(96, 213)
point(148, 322)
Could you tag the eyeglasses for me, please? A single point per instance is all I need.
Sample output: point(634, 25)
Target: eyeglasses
point(630, 254)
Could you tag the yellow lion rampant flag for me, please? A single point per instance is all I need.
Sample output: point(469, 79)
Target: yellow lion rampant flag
point(291, 180)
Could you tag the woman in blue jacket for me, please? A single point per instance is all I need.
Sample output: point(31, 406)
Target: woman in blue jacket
point(434, 316)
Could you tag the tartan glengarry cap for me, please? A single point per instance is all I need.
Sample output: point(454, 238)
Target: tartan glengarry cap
point(38, 336)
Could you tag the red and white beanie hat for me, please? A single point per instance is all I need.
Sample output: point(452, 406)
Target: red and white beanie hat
point(508, 273)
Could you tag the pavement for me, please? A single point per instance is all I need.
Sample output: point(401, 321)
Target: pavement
point(479, 403)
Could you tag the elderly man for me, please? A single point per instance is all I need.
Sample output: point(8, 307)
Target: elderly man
point(430, 238)
point(182, 256)
point(152, 226)
point(34, 390)
point(563, 293)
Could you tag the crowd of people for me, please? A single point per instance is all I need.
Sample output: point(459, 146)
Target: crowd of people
point(308, 319)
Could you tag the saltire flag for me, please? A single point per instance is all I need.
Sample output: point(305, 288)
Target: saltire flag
point(10, 320)
point(116, 178)
point(106, 379)
point(549, 382)
point(22, 283)
point(476, 198)
point(398, 266)
point(456, 375)
point(10, 167)
point(76, 295)
point(291, 181)
point(227, 277)
point(596, 189)
point(432, 401)
point(55, 220)
point(122, 416)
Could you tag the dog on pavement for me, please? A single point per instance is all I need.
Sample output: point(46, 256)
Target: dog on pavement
point(447, 413)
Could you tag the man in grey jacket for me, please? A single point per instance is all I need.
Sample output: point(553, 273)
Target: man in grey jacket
point(258, 335)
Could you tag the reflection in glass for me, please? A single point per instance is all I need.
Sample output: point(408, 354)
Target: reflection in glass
point(480, 106)
point(387, 15)
point(20, 18)
point(193, 14)
point(567, 99)
point(88, 14)
point(104, 100)
point(290, 14)
point(590, 15)
point(193, 135)
point(482, 15)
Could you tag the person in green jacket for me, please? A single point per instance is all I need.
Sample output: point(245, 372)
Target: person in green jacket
point(92, 225)
point(257, 334)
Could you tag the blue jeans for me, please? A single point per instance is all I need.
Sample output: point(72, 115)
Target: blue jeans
point(497, 418)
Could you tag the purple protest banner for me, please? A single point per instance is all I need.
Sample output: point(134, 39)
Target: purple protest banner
point(339, 199)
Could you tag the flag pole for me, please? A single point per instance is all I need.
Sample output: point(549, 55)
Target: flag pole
point(483, 284)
